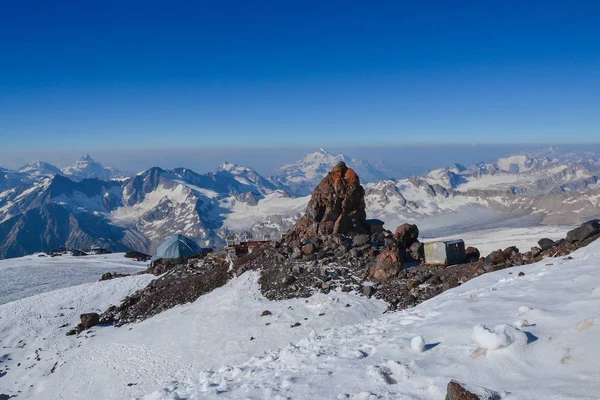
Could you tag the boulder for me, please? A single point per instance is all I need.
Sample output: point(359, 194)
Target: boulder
point(585, 231)
point(535, 251)
point(308, 248)
point(88, 320)
point(417, 250)
point(361, 240)
point(546, 244)
point(472, 254)
point(337, 205)
point(388, 265)
point(461, 391)
point(496, 257)
point(368, 291)
point(510, 252)
point(406, 235)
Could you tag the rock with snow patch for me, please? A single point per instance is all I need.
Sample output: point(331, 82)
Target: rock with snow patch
point(88, 320)
point(461, 391)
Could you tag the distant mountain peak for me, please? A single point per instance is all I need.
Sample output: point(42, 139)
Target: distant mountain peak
point(302, 176)
point(86, 167)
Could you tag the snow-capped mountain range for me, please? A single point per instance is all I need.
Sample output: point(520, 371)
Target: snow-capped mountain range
point(301, 177)
point(42, 207)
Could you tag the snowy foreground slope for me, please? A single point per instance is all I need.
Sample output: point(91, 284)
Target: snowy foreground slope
point(30, 275)
point(126, 362)
point(554, 355)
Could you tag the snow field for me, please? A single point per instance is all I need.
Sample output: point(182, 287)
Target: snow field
point(222, 327)
point(30, 275)
point(554, 357)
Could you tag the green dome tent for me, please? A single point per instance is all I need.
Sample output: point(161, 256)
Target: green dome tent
point(177, 246)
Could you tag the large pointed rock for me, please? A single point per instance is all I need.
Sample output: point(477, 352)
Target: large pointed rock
point(337, 205)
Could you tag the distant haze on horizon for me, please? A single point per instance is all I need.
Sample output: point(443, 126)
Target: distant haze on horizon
point(406, 160)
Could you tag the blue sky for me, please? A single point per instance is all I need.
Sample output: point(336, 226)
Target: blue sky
point(85, 76)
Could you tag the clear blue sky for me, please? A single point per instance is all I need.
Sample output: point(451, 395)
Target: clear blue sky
point(85, 75)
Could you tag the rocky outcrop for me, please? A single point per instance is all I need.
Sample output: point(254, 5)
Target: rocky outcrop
point(586, 230)
point(178, 284)
point(337, 205)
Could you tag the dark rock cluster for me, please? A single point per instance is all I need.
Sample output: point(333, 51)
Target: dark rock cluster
point(179, 283)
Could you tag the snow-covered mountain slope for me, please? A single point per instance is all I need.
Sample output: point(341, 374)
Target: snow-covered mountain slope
point(140, 212)
point(300, 178)
point(31, 275)
point(86, 168)
point(222, 327)
point(39, 169)
point(519, 190)
point(526, 337)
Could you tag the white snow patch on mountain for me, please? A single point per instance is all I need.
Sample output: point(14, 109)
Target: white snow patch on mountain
point(244, 216)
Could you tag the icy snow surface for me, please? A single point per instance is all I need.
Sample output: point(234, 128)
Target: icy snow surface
point(30, 275)
point(554, 358)
point(542, 341)
point(222, 327)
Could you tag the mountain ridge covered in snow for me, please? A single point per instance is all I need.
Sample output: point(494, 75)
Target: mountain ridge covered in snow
point(39, 212)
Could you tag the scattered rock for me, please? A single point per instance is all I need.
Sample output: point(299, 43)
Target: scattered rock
point(417, 250)
point(496, 257)
point(361, 240)
point(406, 235)
point(88, 320)
point(266, 313)
point(521, 273)
point(308, 248)
point(111, 275)
point(586, 230)
point(368, 291)
point(388, 265)
point(295, 325)
point(545, 244)
point(472, 254)
point(460, 391)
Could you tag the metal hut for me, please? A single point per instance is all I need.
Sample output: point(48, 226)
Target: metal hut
point(447, 252)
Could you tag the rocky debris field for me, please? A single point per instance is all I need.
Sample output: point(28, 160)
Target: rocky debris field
point(179, 283)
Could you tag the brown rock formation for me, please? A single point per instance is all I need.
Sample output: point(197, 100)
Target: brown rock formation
point(337, 205)
point(406, 235)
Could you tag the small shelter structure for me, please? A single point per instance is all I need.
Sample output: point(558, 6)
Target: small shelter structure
point(447, 252)
point(177, 246)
